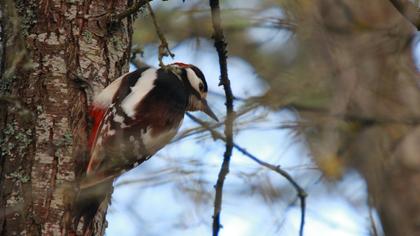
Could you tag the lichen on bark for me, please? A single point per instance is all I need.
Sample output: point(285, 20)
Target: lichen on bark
point(55, 43)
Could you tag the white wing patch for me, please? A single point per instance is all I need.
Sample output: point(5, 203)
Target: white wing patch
point(138, 91)
point(118, 118)
point(104, 98)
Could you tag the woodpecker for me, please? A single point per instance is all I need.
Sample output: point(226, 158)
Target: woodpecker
point(133, 118)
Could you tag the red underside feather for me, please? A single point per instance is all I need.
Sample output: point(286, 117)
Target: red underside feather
point(97, 114)
point(182, 65)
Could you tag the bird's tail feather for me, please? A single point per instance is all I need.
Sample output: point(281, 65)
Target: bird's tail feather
point(88, 202)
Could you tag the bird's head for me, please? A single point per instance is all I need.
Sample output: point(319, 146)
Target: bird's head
point(197, 86)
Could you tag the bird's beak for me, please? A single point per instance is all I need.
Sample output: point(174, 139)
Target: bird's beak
point(206, 109)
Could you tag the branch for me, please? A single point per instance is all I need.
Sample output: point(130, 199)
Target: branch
point(300, 191)
point(408, 10)
point(163, 47)
point(349, 117)
point(220, 45)
point(129, 11)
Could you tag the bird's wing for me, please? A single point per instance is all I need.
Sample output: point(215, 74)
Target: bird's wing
point(118, 89)
point(102, 113)
point(145, 114)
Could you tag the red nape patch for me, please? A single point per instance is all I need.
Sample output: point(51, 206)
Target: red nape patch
point(182, 65)
point(97, 114)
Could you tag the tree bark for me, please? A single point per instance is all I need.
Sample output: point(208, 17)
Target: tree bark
point(53, 50)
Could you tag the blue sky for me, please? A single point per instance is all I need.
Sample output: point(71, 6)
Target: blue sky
point(161, 208)
point(139, 209)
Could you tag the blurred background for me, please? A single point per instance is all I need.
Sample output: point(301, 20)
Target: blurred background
point(328, 90)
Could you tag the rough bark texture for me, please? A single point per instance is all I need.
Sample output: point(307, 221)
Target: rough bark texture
point(52, 46)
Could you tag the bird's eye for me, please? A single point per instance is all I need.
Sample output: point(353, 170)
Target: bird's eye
point(201, 87)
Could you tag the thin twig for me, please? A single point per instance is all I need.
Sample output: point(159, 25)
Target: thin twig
point(164, 46)
point(276, 168)
point(129, 11)
point(409, 10)
point(220, 45)
point(374, 230)
point(300, 191)
point(349, 117)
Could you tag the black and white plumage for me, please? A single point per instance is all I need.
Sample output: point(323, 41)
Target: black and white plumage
point(134, 117)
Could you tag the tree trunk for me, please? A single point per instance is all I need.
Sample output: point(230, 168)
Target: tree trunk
point(52, 50)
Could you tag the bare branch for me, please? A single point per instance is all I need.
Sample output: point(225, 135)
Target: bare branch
point(276, 168)
point(408, 10)
point(350, 117)
point(130, 11)
point(220, 45)
point(163, 47)
point(300, 191)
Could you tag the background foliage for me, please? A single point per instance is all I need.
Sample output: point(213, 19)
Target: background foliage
point(326, 89)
